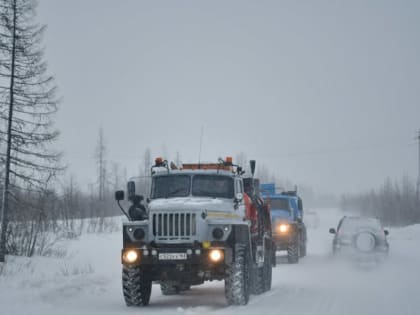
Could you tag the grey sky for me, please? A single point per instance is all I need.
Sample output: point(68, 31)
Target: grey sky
point(325, 93)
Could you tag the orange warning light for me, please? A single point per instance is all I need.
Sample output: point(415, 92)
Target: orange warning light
point(229, 160)
point(158, 161)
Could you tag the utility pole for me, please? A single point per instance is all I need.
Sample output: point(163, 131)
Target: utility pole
point(418, 175)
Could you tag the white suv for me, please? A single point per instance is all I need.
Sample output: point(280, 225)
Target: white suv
point(362, 238)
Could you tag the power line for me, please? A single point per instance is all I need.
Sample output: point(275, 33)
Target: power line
point(342, 150)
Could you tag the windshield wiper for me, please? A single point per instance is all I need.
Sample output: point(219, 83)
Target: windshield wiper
point(174, 192)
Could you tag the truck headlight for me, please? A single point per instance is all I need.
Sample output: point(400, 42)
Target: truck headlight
point(130, 256)
point(216, 255)
point(283, 228)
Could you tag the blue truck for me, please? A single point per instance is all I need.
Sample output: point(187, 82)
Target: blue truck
point(288, 229)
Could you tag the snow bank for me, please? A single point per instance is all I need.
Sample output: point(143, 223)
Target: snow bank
point(87, 280)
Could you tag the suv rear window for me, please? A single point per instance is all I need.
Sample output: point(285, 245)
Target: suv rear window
point(349, 225)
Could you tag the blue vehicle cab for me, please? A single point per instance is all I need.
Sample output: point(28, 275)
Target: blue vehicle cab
point(288, 229)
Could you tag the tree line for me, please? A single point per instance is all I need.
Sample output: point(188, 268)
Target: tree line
point(394, 203)
point(39, 205)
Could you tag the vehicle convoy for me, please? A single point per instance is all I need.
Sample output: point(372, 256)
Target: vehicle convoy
point(201, 222)
point(362, 239)
point(289, 230)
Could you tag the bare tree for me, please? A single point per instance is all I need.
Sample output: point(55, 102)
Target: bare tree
point(242, 160)
point(263, 173)
point(117, 177)
point(393, 203)
point(178, 159)
point(27, 104)
point(100, 155)
point(147, 159)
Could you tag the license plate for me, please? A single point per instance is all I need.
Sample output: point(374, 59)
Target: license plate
point(172, 256)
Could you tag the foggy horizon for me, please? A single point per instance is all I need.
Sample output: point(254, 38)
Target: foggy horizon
point(323, 94)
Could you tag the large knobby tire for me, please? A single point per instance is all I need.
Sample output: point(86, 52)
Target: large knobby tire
point(137, 287)
point(293, 253)
point(257, 280)
point(302, 250)
point(261, 277)
point(268, 269)
point(237, 278)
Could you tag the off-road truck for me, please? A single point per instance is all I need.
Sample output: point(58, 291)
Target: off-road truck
point(197, 224)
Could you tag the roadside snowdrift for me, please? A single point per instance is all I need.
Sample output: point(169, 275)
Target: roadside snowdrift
point(87, 280)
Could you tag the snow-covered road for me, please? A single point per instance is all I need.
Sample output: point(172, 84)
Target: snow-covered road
point(88, 281)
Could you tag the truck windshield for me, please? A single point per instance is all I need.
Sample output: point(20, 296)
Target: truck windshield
point(213, 186)
point(280, 204)
point(171, 186)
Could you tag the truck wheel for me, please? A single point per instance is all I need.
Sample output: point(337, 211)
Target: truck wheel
point(257, 283)
point(136, 286)
point(184, 287)
point(302, 251)
point(268, 269)
point(237, 278)
point(169, 288)
point(293, 253)
point(262, 276)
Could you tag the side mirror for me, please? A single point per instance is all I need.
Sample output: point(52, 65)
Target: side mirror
point(332, 231)
point(131, 190)
point(119, 195)
point(300, 203)
point(386, 232)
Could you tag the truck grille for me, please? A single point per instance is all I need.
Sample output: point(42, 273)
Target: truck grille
point(174, 225)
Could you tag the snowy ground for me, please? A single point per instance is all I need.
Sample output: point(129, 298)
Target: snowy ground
point(88, 281)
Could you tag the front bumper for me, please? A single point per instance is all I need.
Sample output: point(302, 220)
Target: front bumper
point(379, 253)
point(283, 240)
point(177, 256)
point(175, 264)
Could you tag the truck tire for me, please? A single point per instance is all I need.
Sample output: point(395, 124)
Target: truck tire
point(136, 286)
point(268, 269)
point(304, 240)
point(302, 251)
point(257, 280)
point(237, 278)
point(293, 253)
point(261, 277)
